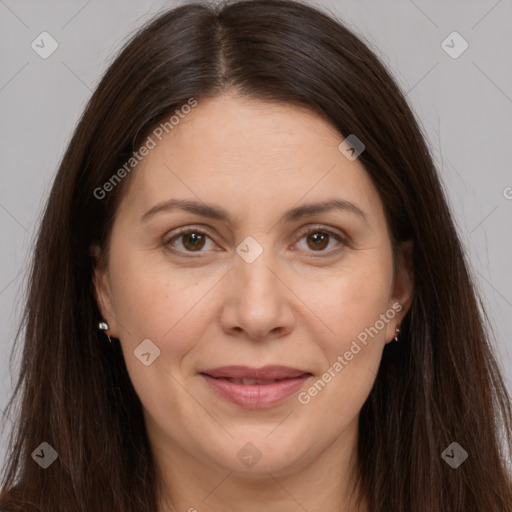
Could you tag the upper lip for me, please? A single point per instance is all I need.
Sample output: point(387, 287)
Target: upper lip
point(246, 372)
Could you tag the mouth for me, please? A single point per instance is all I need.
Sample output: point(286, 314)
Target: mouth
point(249, 382)
point(255, 388)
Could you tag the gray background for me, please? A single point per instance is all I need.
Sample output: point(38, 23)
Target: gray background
point(463, 104)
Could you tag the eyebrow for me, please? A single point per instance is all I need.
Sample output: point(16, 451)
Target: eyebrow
point(217, 213)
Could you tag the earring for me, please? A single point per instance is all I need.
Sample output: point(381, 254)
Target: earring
point(397, 333)
point(103, 326)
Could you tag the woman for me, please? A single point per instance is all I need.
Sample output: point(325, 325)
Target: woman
point(248, 292)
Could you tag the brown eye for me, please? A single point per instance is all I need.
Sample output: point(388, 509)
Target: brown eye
point(317, 240)
point(322, 241)
point(191, 240)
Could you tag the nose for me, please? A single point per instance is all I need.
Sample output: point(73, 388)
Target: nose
point(257, 302)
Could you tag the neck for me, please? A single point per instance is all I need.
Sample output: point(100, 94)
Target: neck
point(325, 483)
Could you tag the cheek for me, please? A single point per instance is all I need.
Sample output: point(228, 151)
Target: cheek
point(155, 301)
point(348, 299)
point(351, 304)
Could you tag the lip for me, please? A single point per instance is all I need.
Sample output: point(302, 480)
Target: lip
point(255, 395)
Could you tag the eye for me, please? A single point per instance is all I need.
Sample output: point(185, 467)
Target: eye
point(193, 240)
point(318, 239)
point(189, 240)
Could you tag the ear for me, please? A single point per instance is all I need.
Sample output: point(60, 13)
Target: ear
point(403, 287)
point(102, 290)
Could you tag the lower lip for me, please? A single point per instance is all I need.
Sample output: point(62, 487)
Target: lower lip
point(256, 396)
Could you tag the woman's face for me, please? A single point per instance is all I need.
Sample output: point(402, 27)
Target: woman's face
point(261, 279)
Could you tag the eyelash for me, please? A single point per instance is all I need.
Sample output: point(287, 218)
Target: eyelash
point(310, 230)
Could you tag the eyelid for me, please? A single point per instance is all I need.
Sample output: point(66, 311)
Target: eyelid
point(186, 229)
point(324, 229)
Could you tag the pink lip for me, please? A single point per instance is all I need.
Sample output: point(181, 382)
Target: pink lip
point(256, 396)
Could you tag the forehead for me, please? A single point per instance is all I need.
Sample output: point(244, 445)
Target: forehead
point(244, 154)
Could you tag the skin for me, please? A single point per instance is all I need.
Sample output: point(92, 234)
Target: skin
point(299, 304)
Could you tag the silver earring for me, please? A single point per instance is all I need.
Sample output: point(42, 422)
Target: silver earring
point(103, 326)
point(397, 333)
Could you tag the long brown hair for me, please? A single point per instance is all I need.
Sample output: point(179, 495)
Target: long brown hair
point(440, 384)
